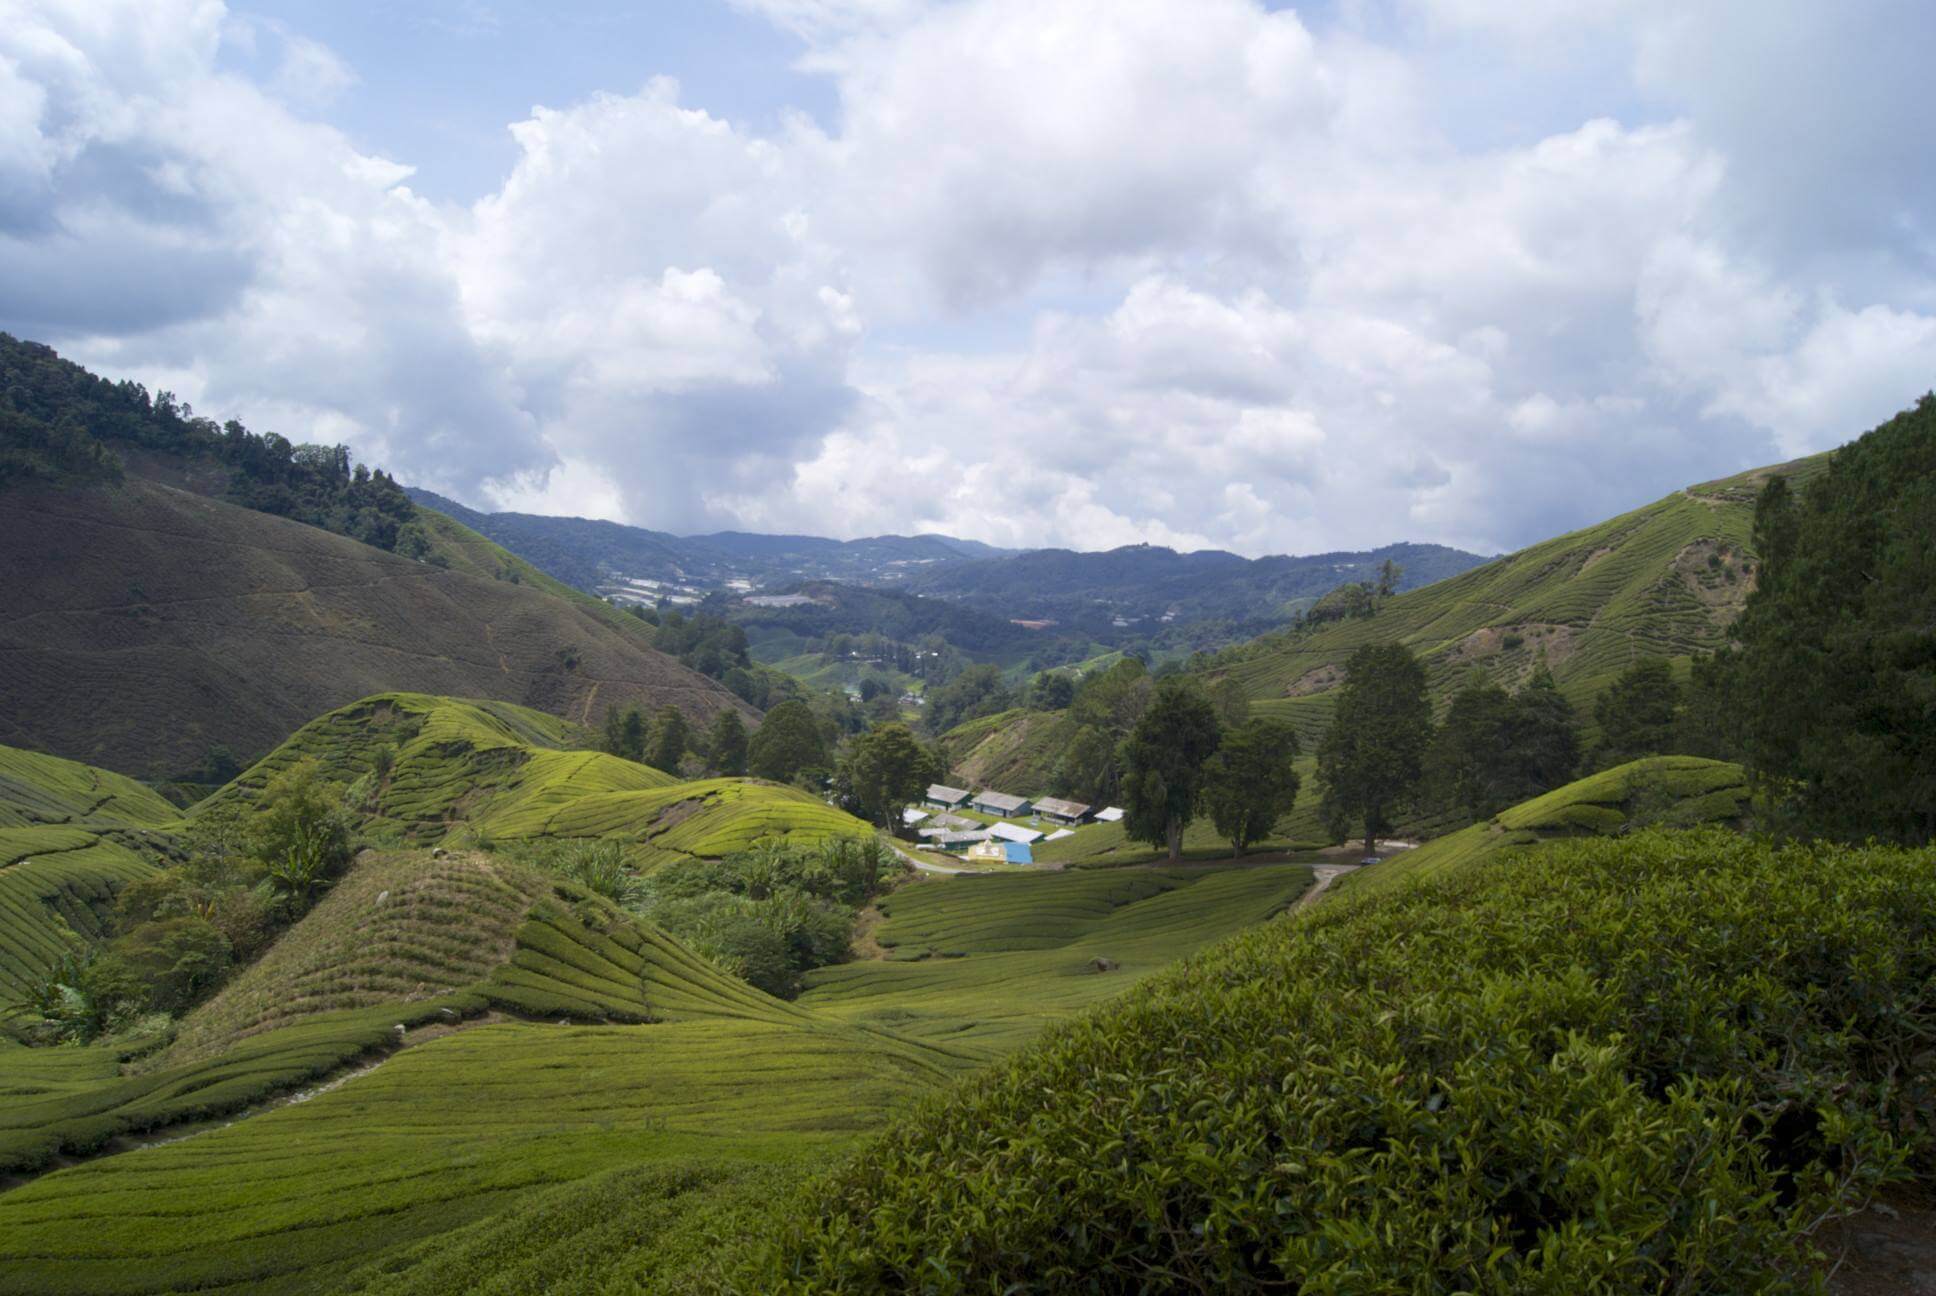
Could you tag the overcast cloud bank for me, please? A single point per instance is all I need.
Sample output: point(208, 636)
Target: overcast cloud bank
point(1078, 272)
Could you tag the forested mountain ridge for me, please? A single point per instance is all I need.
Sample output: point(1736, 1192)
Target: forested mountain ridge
point(586, 552)
point(1153, 583)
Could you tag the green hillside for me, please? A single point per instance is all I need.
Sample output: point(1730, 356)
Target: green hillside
point(506, 773)
point(1673, 791)
point(503, 1050)
point(579, 1041)
point(1571, 1069)
point(984, 963)
point(70, 837)
point(39, 789)
point(1664, 580)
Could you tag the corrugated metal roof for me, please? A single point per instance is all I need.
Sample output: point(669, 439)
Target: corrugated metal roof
point(1001, 801)
point(1013, 832)
point(1061, 809)
point(1110, 814)
point(942, 792)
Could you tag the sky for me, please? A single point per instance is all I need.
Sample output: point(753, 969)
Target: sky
point(1206, 273)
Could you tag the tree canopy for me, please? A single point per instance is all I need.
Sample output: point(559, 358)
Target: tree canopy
point(1249, 783)
point(1163, 763)
point(1496, 749)
point(1637, 714)
point(884, 770)
point(1372, 756)
point(1833, 682)
point(787, 744)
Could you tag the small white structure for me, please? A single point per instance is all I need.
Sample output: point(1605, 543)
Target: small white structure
point(988, 852)
point(912, 816)
point(1109, 814)
point(1059, 834)
point(1000, 804)
point(1013, 832)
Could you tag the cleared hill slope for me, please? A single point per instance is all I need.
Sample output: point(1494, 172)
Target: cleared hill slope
point(143, 624)
point(1665, 580)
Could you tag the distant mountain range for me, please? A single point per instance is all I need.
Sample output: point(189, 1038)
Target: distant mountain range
point(590, 554)
point(1137, 588)
point(1123, 587)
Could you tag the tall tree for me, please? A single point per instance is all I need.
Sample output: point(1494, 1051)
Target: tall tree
point(1163, 762)
point(787, 742)
point(1545, 737)
point(883, 771)
point(1469, 763)
point(727, 742)
point(1372, 756)
point(671, 735)
point(1249, 784)
point(1837, 651)
point(1495, 749)
point(1389, 574)
point(625, 733)
point(1637, 713)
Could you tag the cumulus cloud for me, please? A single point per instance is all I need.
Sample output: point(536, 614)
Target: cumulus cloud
point(1088, 272)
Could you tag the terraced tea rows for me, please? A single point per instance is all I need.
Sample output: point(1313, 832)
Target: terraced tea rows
point(507, 773)
point(985, 963)
point(1677, 791)
point(1664, 580)
point(54, 881)
point(39, 789)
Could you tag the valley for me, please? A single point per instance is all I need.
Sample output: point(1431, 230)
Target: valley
point(409, 919)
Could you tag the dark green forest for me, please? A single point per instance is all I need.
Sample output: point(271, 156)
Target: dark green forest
point(60, 423)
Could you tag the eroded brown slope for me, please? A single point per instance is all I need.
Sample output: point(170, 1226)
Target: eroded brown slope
point(139, 624)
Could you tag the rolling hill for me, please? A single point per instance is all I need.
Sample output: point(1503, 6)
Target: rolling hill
point(504, 773)
point(70, 837)
point(1664, 580)
point(144, 624)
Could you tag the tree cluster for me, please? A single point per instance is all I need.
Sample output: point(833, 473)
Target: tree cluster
point(1830, 689)
point(58, 420)
point(177, 935)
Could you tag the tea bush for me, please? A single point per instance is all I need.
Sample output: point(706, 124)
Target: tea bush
point(1648, 1064)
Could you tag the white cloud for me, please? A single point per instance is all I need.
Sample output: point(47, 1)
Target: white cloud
point(1059, 271)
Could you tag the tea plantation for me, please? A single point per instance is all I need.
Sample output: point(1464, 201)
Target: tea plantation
point(1664, 581)
point(1636, 1065)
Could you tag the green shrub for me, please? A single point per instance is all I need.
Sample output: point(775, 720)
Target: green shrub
point(1647, 1064)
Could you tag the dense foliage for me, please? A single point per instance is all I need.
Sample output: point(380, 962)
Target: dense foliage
point(1496, 749)
point(178, 933)
point(1249, 784)
point(1834, 682)
point(771, 913)
point(1373, 754)
point(974, 693)
point(882, 771)
point(57, 419)
point(1163, 764)
point(1567, 1071)
point(788, 745)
